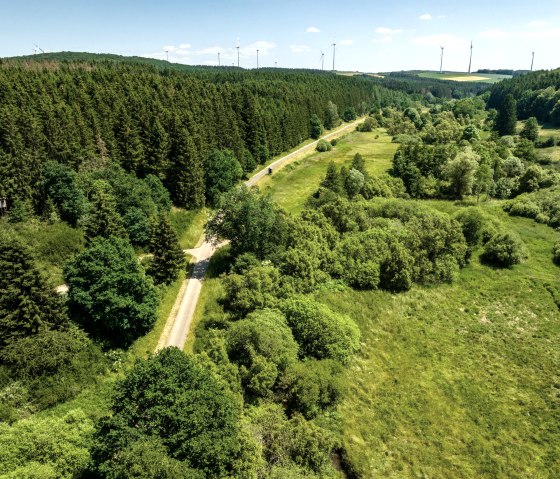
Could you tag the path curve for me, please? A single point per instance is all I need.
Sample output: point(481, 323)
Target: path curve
point(179, 321)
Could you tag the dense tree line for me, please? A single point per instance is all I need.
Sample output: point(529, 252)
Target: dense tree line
point(164, 123)
point(537, 94)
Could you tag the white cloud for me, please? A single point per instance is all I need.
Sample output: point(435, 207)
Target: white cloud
point(300, 48)
point(537, 24)
point(347, 42)
point(443, 40)
point(425, 16)
point(312, 30)
point(387, 31)
point(494, 34)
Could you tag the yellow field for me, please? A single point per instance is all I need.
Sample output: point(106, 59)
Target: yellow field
point(467, 78)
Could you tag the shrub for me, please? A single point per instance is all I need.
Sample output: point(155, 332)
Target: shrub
point(320, 332)
point(504, 250)
point(556, 253)
point(323, 145)
point(523, 207)
point(334, 142)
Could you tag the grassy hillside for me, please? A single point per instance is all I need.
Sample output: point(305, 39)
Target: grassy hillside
point(465, 77)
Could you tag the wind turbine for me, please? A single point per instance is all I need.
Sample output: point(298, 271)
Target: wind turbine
point(275, 63)
point(238, 53)
point(333, 55)
point(322, 60)
point(219, 64)
point(257, 59)
point(441, 61)
point(167, 55)
point(39, 48)
point(470, 59)
point(532, 59)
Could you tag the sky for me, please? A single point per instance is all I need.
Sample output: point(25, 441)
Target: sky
point(370, 35)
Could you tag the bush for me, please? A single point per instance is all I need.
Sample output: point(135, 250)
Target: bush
point(367, 126)
point(320, 332)
point(523, 207)
point(556, 253)
point(334, 142)
point(323, 145)
point(504, 250)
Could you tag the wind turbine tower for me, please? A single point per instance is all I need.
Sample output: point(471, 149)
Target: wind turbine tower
point(441, 61)
point(167, 55)
point(470, 59)
point(333, 55)
point(257, 59)
point(238, 53)
point(532, 59)
point(322, 60)
point(219, 64)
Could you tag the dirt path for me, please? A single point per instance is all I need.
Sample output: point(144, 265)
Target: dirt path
point(177, 326)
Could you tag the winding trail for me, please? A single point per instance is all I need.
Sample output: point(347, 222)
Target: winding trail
point(178, 324)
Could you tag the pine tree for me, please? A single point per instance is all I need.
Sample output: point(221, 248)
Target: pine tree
point(530, 129)
point(103, 219)
point(358, 163)
point(169, 258)
point(28, 303)
point(332, 178)
point(506, 120)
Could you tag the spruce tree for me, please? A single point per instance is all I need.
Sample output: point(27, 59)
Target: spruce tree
point(103, 219)
point(530, 129)
point(506, 120)
point(332, 178)
point(358, 163)
point(28, 303)
point(168, 258)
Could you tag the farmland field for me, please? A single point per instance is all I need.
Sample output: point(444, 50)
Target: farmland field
point(464, 77)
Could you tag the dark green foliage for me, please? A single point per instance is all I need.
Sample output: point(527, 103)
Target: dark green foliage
point(530, 129)
point(359, 164)
point(179, 407)
point(137, 226)
point(250, 221)
point(323, 146)
point(504, 249)
point(556, 253)
point(103, 219)
point(60, 184)
point(28, 303)
point(506, 120)
point(473, 224)
point(349, 114)
point(320, 332)
point(109, 293)
point(315, 127)
point(159, 193)
point(263, 346)
point(367, 126)
point(223, 171)
point(168, 259)
point(312, 386)
point(332, 178)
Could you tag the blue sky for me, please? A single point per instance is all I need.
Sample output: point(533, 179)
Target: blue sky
point(370, 35)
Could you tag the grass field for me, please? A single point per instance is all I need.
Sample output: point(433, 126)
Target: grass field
point(291, 186)
point(462, 77)
point(453, 381)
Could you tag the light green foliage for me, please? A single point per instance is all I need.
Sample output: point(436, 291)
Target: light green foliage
point(315, 127)
point(20, 211)
point(263, 346)
point(530, 129)
point(44, 448)
point(332, 119)
point(320, 332)
point(168, 257)
point(532, 179)
point(367, 126)
point(353, 182)
point(542, 205)
point(473, 224)
point(251, 222)
point(259, 287)
point(556, 253)
point(461, 170)
point(505, 249)
point(109, 293)
point(223, 171)
point(170, 396)
point(311, 386)
point(323, 146)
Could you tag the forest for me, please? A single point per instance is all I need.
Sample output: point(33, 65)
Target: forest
point(309, 311)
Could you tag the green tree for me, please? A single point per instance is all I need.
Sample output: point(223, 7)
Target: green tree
point(332, 119)
point(461, 170)
point(315, 127)
point(353, 183)
point(482, 180)
point(504, 250)
point(359, 164)
point(250, 221)
point(168, 259)
point(223, 171)
point(172, 398)
point(506, 120)
point(109, 293)
point(137, 226)
point(349, 114)
point(332, 178)
point(20, 211)
point(320, 332)
point(28, 303)
point(530, 129)
point(103, 219)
